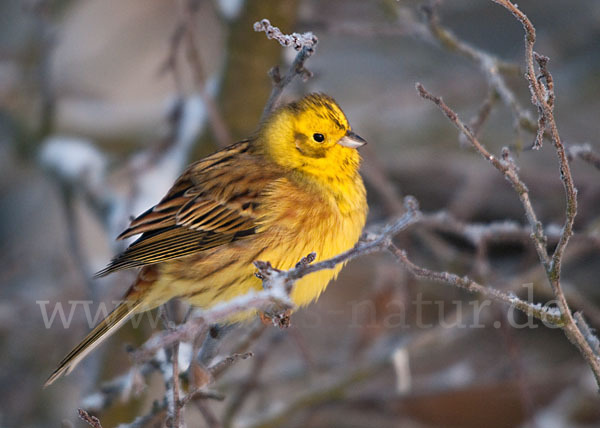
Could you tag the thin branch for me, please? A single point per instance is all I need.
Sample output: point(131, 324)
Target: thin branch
point(483, 113)
point(505, 166)
point(92, 421)
point(489, 64)
point(480, 233)
point(240, 348)
point(277, 285)
point(373, 242)
point(381, 241)
point(305, 44)
point(228, 361)
point(542, 95)
point(200, 393)
point(296, 40)
point(551, 265)
point(543, 98)
point(535, 310)
point(247, 386)
point(259, 300)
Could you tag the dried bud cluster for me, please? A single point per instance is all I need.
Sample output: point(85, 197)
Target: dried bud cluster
point(296, 40)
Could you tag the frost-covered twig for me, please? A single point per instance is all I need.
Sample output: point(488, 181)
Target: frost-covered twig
point(483, 113)
point(296, 40)
point(372, 242)
point(381, 241)
point(258, 300)
point(240, 348)
point(504, 165)
point(305, 44)
point(247, 385)
point(542, 95)
point(227, 361)
point(543, 98)
point(489, 64)
point(92, 421)
point(277, 285)
point(468, 284)
point(497, 231)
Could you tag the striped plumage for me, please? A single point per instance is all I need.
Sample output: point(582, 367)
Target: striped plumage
point(212, 203)
point(292, 189)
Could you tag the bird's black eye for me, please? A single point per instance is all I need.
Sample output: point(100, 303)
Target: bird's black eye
point(319, 138)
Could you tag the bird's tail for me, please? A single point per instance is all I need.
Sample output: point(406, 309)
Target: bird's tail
point(108, 326)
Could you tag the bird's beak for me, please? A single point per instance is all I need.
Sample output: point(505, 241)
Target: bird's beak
point(351, 140)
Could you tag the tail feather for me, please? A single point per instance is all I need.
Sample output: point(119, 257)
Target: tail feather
point(102, 331)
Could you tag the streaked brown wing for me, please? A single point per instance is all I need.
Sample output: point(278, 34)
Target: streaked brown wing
point(214, 202)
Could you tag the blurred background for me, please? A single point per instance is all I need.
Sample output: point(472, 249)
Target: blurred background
point(104, 102)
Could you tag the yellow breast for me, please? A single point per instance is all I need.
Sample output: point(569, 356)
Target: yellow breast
point(327, 223)
point(295, 221)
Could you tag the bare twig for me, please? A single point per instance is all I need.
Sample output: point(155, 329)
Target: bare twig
point(200, 393)
point(477, 122)
point(92, 421)
point(227, 361)
point(248, 385)
point(305, 44)
point(468, 284)
point(278, 284)
point(542, 95)
point(189, 330)
point(241, 348)
point(381, 241)
point(480, 233)
point(506, 167)
point(374, 242)
point(543, 98)
point(489, 64)
point(295, 40)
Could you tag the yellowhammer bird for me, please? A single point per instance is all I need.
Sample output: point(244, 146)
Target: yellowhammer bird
point(292, 189)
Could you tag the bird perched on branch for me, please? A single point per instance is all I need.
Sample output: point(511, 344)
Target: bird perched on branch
point(292, 189)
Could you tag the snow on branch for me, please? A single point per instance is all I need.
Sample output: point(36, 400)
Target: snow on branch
point(296, 40)
point(305, 44)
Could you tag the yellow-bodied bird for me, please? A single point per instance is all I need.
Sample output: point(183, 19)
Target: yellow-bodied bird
point(292, 189)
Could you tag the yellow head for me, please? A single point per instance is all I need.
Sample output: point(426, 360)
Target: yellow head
point(312, 137)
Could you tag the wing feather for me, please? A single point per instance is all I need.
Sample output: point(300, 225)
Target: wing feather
point(214, 202)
